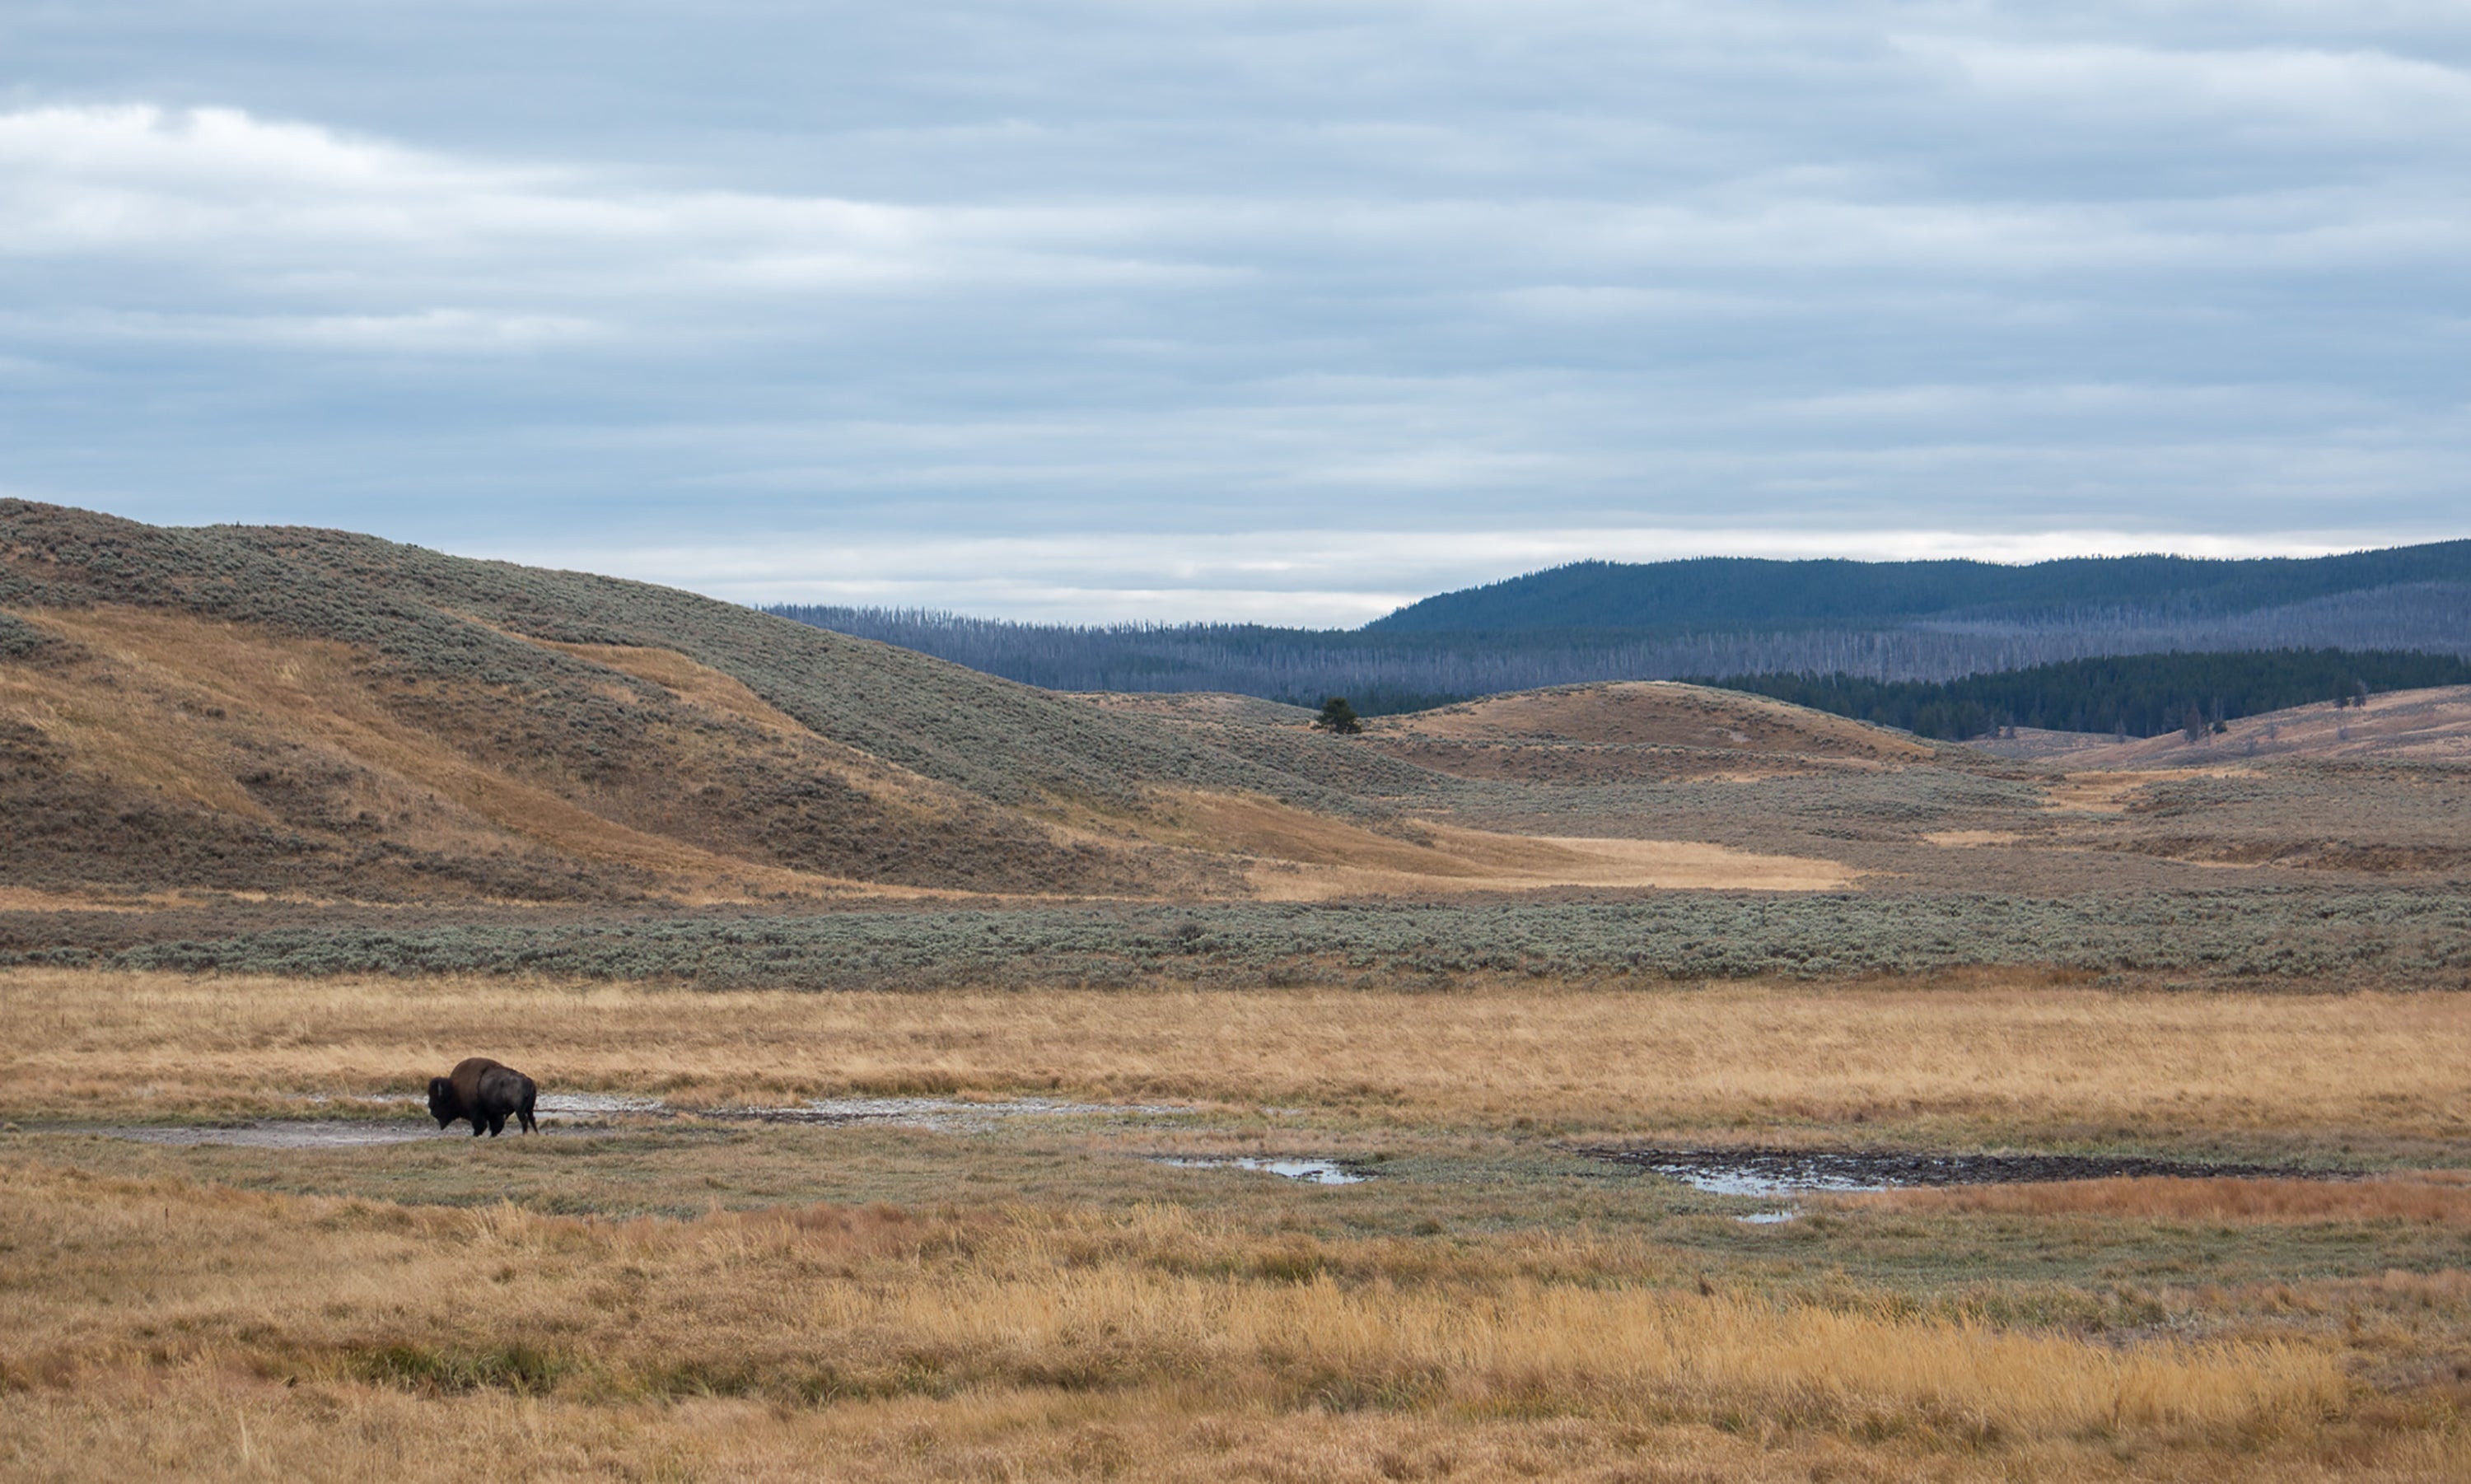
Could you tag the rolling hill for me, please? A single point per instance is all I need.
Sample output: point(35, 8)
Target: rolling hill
point(292, 711)
point(313, 715)
point(227, 727)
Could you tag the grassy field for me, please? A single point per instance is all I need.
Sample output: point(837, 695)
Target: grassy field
point(680, 1296)
point(1979, 1054)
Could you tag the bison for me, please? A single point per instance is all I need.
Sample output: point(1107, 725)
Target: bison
point(484, 1092)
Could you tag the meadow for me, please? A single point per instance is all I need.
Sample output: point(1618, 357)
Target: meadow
point(672, 1292)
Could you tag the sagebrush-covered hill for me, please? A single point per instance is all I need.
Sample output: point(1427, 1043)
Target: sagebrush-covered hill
point(290, 710)
point(315, 716)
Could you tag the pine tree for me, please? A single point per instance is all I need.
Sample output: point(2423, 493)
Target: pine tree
point(1337, 716)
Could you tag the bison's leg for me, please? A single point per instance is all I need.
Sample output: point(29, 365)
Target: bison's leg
point(497, 1125)
point(479, 1123)
point(530, 1127)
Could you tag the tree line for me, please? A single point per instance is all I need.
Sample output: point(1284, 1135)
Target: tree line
point(1383, 671)
point(1735, 592)
point(2137, 696)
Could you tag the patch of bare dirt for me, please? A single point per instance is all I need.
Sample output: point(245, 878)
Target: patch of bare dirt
point(1479, 862)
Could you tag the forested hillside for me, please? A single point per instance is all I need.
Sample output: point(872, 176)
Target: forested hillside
point(1730, 592)
point(1386, 670)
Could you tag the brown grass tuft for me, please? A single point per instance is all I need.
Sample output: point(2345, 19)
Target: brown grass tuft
point(116, 1280)
point(2438, 1199)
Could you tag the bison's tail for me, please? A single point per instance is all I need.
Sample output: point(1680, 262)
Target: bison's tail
point(531, 1090)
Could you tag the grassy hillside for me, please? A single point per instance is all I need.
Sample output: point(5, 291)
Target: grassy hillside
point(431, 617)
point(295, 711)
point(313, 716)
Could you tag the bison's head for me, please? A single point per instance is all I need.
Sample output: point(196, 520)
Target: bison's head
point(443, 1102)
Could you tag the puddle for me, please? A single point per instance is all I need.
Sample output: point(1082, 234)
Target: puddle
point(1789, 1171)
point(592, 1104)
point(1768, 1217)
point(938, 1113)
point(358, 1133)
point(279, 1133)
point(569, 1104)
point(1308, 1171)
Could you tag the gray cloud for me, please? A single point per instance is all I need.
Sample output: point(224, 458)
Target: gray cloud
point(787, 291)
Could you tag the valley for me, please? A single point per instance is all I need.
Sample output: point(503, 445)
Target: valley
point(948, 1078)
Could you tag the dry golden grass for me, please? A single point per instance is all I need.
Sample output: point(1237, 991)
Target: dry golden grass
point(1316, 862)
point(2005, 1053)
point(145, 730)
point(211, 1425)
point(2435, 1199)
point(22, 899)
point(157, 1325)
point(1057, 1318)
point(2099, 793)
point(698, 684)
point(1302, 857)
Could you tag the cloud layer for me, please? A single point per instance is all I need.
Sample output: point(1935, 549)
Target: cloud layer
point(1224, 308)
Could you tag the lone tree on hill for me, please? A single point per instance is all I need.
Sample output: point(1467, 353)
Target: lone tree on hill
point(1337, 716)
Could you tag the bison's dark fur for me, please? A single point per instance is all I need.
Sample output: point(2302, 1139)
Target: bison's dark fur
point(486, 1093)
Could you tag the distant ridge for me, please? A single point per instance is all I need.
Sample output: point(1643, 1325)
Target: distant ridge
point(1739, 592)
point(1883, 621)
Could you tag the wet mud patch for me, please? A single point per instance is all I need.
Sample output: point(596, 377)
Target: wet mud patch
point(571, 1113)
point(546, 1105)
point(562, 1113)
point(593, 1105)
point(1305, 1171)
point(280, 1133)
point(947, 1114)
point(1756, 1172)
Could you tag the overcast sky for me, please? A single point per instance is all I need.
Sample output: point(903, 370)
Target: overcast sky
point(1204, 310)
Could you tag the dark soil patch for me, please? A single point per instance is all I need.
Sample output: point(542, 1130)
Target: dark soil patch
point(1754, 1171)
